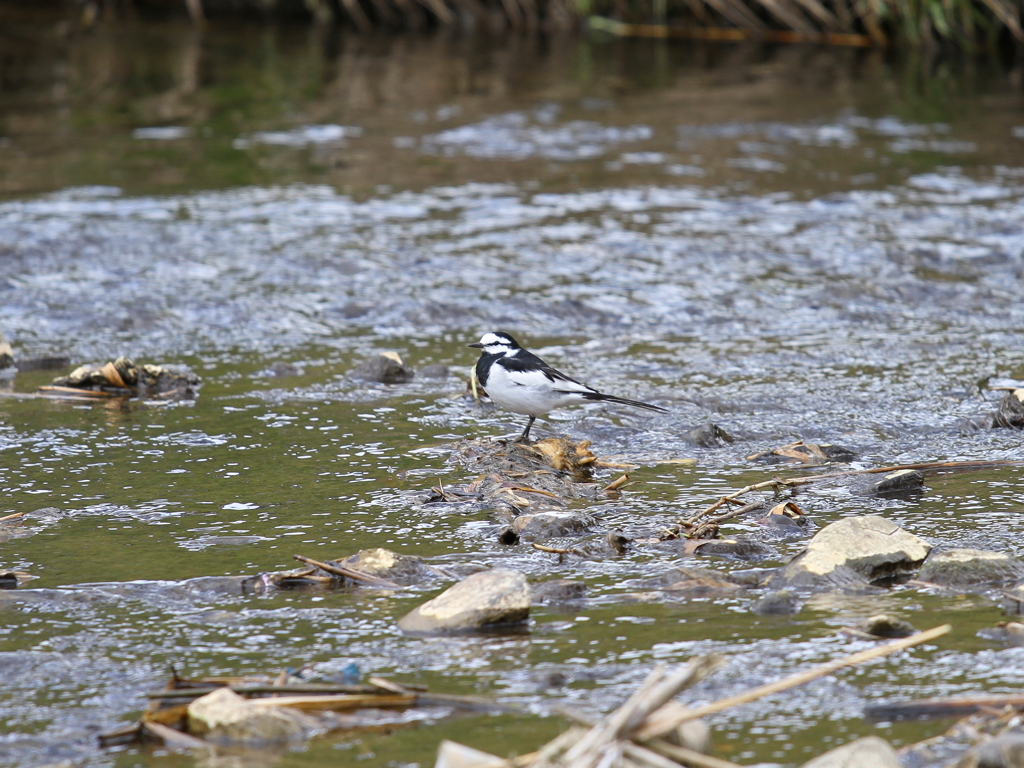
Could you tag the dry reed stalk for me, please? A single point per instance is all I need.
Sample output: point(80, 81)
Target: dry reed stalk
point(195, 11)
point(1008, 16)
point(602, 741)
point(822, 14)
point(672, 758)
point(358, 15)
point(738, 13)
point(786, 16)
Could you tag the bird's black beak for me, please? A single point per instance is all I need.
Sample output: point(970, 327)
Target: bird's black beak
point(477, 345)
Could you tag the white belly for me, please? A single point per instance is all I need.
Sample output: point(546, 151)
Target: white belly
point(530, 394)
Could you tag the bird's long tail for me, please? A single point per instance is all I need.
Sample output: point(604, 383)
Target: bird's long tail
point(600, 397)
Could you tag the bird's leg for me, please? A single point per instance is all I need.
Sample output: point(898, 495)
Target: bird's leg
point(525, 437)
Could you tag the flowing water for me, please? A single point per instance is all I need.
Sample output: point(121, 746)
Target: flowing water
point(791, 243)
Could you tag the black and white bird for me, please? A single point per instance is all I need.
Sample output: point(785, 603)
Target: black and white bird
point(519, 381)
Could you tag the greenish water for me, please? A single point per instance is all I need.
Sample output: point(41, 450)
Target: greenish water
point(791, 243)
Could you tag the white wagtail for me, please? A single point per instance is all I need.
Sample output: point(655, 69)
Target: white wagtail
point(521, 382)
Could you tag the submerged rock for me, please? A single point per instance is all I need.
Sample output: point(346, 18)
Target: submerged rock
point(558, 591)
point(805, 453)
point(852, 553)
point(385, 564)
point(780, 602)
point(224, 717)
point(1003, 751)
point(971, 568)
point(486, 601)
point(1009, 633)
point(785, 521)
point(546, 525)
point(692, 580)
point(867, 752)
point(708, 436)
point(433, 372)
point(885, 625)
point(733, 549)
point(382, 369)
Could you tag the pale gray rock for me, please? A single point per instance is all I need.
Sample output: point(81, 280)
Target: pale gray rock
point(868, 752)
point(490, 600)
point(853, 553)
point(224, 717)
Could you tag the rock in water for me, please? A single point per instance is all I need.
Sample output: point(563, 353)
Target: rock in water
point(486, 601)
point(967, 568)
point(224, 717)
point(383, 369)
point(385, 564)
point(780, 602)
point(868, 752)
point(902, 482)
point(548, 525)
point(852, 553)
point(1004, 751)
point(558, 591)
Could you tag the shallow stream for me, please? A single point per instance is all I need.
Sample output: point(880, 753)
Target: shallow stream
point(791, 243)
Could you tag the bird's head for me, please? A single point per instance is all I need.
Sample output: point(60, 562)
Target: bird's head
point(497, 343)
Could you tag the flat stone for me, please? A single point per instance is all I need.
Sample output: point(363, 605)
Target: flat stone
point(853, 553)
point(966, 568)
point(490, 600)
point(868, 752)
point(224, 717)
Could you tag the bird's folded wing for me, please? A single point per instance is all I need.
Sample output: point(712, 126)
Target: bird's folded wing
point(537, 373)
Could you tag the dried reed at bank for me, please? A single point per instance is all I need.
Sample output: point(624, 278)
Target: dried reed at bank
point(966, 24)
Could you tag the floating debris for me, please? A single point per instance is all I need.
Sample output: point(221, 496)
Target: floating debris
point(123, 378)
point(805, 453)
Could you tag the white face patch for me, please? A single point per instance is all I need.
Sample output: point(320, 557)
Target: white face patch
point(496, 345)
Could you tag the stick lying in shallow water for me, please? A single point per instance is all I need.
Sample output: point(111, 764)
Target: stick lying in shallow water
point(351, 573)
